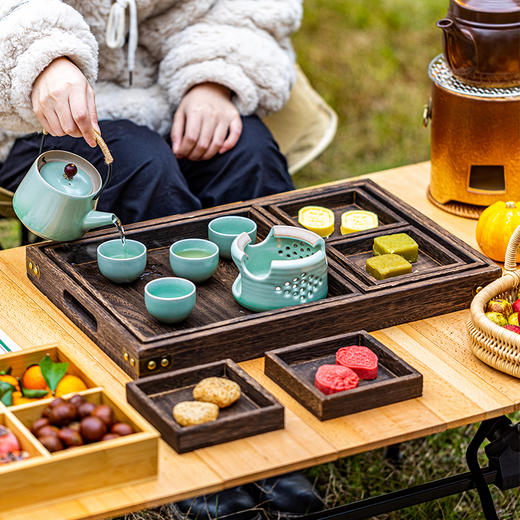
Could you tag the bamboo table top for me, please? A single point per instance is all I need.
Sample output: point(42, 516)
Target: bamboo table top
point(458, 389)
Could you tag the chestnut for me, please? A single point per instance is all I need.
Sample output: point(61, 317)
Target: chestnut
point(51, 442)
point(77, 400)
point(110, 436)
point(92, 429)
point(39, 423)
point(47, 431)
point(55, 402)
point(122, 429)
point(62, 414)
point(70, 437)
point(75, 425)
point(85, 409)
point(105, 413)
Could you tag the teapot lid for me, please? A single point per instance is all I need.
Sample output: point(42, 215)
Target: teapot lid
point(486, 11)
point(68, 173)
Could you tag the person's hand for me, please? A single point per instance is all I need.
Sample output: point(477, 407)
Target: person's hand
point(63, 101)
point(205, 123)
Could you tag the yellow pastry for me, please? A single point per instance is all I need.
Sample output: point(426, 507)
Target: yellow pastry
point(317, 219)
point(358, 220)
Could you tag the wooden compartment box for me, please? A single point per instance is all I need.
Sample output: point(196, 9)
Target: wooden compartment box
point(257, 411)
point(293, 368)
point(46, 476)
point(114, 316)
point(19, 361)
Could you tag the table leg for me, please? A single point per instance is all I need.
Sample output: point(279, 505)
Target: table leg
point(503, 453)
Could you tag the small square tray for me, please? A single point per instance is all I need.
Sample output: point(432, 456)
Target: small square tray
point(293, 368)
point(257, 411)
point(434, 258)
point(353, 198)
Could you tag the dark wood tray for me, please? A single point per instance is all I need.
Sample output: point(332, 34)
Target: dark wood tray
point(257, 411)
point(115, 318)
point(293, 368)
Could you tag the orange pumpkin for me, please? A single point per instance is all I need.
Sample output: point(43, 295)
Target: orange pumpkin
point(495, 227)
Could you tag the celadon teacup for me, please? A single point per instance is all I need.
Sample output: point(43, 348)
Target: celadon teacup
point(170, 299)
point(121, 263)
point(223, 230)
point(194, 258)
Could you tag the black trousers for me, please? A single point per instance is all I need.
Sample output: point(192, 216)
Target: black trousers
point(148, 181)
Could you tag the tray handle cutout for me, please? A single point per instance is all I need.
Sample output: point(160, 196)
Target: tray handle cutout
point(75, 306)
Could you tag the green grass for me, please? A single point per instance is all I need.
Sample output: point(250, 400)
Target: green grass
point(369, 61)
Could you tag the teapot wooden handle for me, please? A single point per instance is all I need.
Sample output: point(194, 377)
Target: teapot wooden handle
point(101, 143)
point(104, 148)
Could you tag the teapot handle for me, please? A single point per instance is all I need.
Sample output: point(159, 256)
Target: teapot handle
point(106, 153)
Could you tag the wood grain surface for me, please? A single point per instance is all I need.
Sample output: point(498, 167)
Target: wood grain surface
point(457, 389)
point(115, 314)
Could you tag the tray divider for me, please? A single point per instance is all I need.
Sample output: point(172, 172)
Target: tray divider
point(19, 429)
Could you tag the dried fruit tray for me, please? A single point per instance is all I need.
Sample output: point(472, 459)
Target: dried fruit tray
point(39, 477)
point(257, 411)
point(293, 368)
point(115, 318)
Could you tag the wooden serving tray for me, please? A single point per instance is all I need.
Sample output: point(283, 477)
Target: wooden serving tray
point(98, 465)
point(257, 411)
point(293, 368)
point(114, 316)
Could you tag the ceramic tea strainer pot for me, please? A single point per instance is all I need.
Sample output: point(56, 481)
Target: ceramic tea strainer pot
point(288, 268)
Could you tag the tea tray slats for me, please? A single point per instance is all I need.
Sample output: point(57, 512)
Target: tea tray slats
point(115, 318)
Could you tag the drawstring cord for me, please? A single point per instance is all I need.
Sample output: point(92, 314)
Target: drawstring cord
point(115, 35)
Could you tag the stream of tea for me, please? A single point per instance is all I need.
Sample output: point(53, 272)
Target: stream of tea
point(120, 230)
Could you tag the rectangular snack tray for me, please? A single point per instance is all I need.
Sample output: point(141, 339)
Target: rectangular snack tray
point(39, 478)
point(293, 368)
point(115, 318)
point(435, 258)
point(356, 197)
point(256, 411)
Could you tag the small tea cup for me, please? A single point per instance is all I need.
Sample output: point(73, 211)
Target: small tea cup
point(121, 263)
point(170, 299)
point(194, 258)
point(223, 230)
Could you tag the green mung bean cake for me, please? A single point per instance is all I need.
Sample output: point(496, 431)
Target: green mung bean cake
point(386, 266)
point(399, 244)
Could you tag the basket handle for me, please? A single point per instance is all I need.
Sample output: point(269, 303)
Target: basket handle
point(512, 248)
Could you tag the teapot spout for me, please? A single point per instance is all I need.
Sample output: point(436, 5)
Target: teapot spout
point(95, 219)
point(446, 25)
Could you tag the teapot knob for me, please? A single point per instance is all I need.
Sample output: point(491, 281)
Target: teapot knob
point(70, 170)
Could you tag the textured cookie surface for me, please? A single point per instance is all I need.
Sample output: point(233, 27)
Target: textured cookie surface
point(188, 413)
point(217, 390)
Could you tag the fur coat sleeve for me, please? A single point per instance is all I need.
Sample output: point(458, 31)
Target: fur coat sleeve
point(242, 44)
point(32, 34)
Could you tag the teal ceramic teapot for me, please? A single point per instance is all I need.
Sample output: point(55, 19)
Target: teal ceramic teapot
point(57, 198)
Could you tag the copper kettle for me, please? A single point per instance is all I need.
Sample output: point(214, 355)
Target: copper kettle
point(482, 41)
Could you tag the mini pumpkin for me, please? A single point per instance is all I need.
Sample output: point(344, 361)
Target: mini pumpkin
point(495, 228)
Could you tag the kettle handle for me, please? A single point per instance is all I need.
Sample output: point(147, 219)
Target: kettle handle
point(106, 153)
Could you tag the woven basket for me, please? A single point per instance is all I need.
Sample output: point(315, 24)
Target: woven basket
point(491, 343)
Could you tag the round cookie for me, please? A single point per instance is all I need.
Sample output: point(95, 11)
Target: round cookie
point(217, 390)
point(187, 413)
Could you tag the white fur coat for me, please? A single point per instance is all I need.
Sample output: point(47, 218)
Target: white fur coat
point(242, 44)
